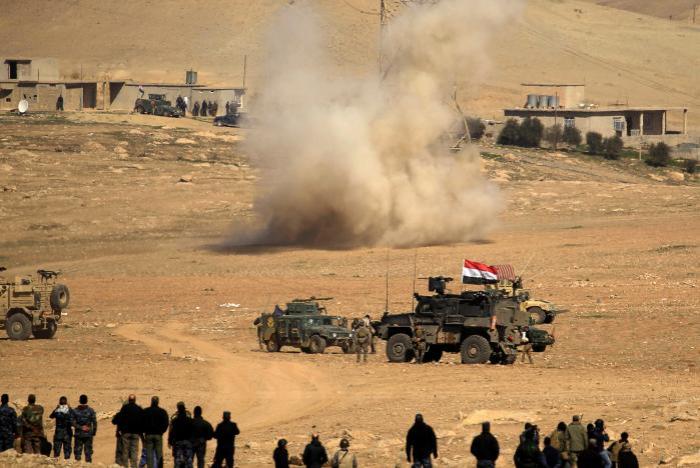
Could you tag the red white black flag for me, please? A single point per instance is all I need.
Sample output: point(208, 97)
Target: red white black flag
point(478, 273)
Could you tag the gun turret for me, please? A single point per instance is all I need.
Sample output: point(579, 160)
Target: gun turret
point(438, 284)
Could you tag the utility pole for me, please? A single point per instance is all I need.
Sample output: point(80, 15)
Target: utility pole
point(695, 8)
point(382, 26)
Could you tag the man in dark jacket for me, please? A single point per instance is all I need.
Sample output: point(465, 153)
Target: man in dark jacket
point(128, 422)
point(180, 437)
point(528, 454)
point(63, 434)
point(155, 423)
point(195, 109)
point(315, 455)
point(552, 456)
point(201, 433)
point(8, 423)
point(627, 458)
point(485, 447)
point(590, 458)
point(421, 443)
point(225, 435)
point(280, 456)
point(203, 109)
point(85, 428)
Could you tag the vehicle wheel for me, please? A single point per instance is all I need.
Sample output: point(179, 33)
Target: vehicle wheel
point(475, 349)
point(60, 297)
point(18, 327)
point(539, 348)
point(399, 348)
point(348, 348)
point(272, 345)
point(549, 317)
point(305, 349)
point(317, 345)
point(140, 110)
point(433, 355)
point(48, 332)
point(537, 315)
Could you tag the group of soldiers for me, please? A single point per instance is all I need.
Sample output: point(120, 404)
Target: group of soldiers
point(75, 428)
point(205, 108)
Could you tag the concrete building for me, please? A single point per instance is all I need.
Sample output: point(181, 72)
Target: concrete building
point(566, 104)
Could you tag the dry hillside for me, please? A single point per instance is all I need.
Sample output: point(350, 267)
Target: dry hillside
point(678, 9)
point(621, 56)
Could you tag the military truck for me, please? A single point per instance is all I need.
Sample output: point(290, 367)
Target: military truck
point(30, 306)
point(483, 326)
point(156, 104)
point(540, 311)
point(304, 325)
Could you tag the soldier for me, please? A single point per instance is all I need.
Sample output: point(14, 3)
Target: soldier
point(8, 424)
point(368, 323)
point(203, 109)
point(128, 422)
point(201, 433)
point(420, 346)
point(155, 423)
point(63, 434)
point(343, 458)
point(195, 109)
point(225, 435)
point(32, 426)
point(180, 437)
point(362, 339)
point(59, 103)
point(85, 425)
point(576, 439)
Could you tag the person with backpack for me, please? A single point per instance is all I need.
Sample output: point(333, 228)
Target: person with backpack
point(528, 454)
point(343, 458)
point(84, 428)
point(63, 433)
point(485, 447)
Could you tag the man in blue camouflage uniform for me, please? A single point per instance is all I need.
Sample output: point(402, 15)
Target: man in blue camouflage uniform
point(63, 434)
point(8, 424)
point(85, 425)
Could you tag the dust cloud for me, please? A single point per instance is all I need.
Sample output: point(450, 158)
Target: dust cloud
point(350, 162)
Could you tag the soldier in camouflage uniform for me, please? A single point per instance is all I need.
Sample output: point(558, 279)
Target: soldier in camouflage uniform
point(8, 424)
point(363, 338)
point(63, 434)
point(419, 345)
point(32, 426)
point(85, 425)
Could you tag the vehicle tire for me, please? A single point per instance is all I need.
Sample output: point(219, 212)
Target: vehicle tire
point(399, 348)
point(48, 332)
point(271, 345)
point(539, 348)
point(432, 355)
point(549, 317)
point(496, 358)
point(60, 297)
point(317, 345)
point(18, 327)
point(475, 349)
point(537, 315)
point(140, 110)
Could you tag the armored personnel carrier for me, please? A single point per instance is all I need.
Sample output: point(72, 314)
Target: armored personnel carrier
point(30, 306)
point(304, 325)
point(483, 326)
point(156, 104)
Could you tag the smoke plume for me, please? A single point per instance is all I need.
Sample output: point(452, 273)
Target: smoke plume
point(350, 162)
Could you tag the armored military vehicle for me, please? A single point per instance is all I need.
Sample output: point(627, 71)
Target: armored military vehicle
point(483, 326)
point(30, 306)
point(540, 311)
point(156, 104)
point(305, 325)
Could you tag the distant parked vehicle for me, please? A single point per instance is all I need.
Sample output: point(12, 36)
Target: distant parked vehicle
point(228, 120)
point(156, 104)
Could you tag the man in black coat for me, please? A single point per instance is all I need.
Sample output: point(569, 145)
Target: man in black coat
point(155, 423)
point(590, 458)
point(315, 455)
point(201, 433)
point(128, 422)
point(225, 435)
point(421, 443)
point(180, 437)
point(485, 447)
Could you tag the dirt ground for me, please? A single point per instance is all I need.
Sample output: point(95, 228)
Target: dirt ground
point(131, 208)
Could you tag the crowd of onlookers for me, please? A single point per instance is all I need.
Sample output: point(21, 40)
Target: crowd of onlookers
point(141, 435)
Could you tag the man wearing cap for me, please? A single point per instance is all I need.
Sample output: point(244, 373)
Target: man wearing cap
point(485, 447)
point(225, 435)
point(577, 438)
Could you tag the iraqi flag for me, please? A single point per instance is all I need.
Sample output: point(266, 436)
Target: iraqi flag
point(478, 273)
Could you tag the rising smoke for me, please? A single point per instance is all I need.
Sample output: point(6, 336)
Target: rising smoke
point(363, 162)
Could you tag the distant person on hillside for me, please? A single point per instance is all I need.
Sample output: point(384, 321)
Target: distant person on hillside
point(281, 456)
point(8, 423)
point(225, 435)
point(202, 432)
point(63, 433)
point(315, 455)
point(421, 443)
point(485, 447)
point(85, 428)
point(59, 103)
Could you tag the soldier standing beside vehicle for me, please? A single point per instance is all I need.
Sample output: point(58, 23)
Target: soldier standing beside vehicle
point(420, 346)
point(155, 423)
point(63, 434)
point(8, 423)
point(201, 433)
point(362, 340)
point(368, 323)
point(32, 426)
point(85, 424)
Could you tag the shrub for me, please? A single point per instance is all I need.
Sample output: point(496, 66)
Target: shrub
point(690, 165)
point(594, 140)
point(553, 135)
point(510, 134)
point(612, 147)
point(476, 128)
point(572, 136)
point(659, 155)
point(531, 131)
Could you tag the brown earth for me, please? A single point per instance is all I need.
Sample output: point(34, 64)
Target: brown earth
point(100, 198)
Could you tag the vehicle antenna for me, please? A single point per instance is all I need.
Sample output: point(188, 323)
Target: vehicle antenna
point(527, 264)
point(415, 272)
point(386, 285)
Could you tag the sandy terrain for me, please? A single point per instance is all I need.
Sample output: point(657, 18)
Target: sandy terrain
point(99, 197)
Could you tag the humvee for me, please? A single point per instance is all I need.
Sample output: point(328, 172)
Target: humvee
point(305, 325)
point(156, 104)
point(483, 326)
point(540, 311)
point(31, 306)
